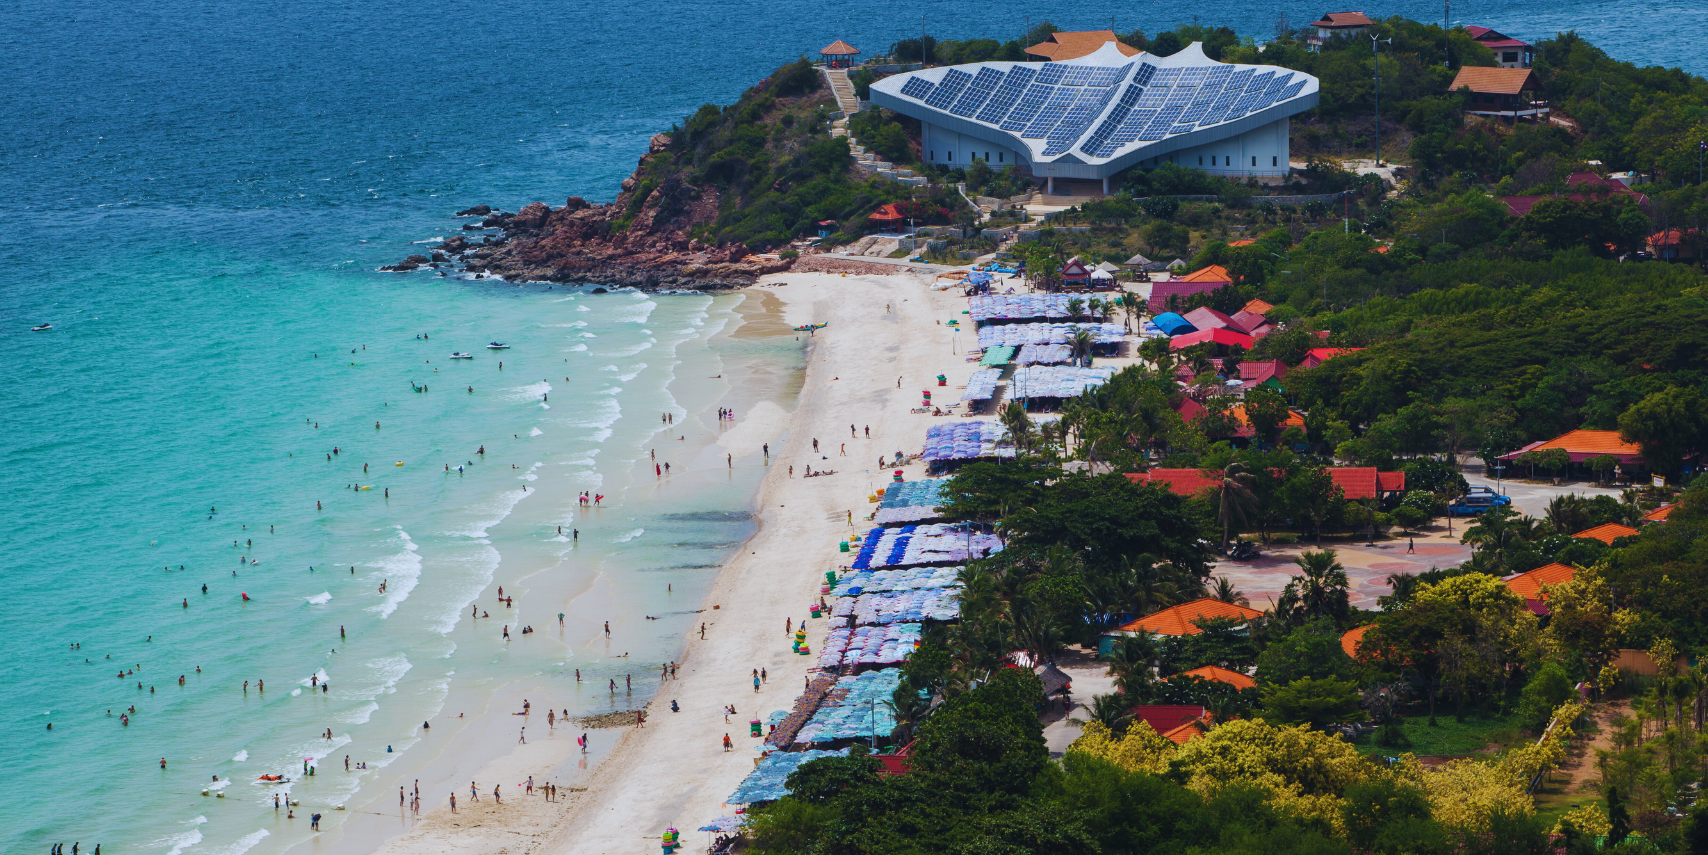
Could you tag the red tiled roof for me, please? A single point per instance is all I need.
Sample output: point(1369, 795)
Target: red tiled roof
point(1205, 318)
point(1165, 717)
point(1254, 373)
point(1606, 533)
point(1179, 620)
point(1529, 584)
point(1521, 205)
point(1658, 514)
point(1249, 321)
point(1060, 46)
point(1671, 237)
point(1350, 640)
point(1491, 39)
point(1257, 307)
point(1357, 482)
point(1185, 482)
point(1213, 273)
point(886, 211)
point(1187, 730)
point(1161, 291)
point(839, 48)
point(1495, 81)
point(1188, 408)
point(1583, 444)
point(1340, 20)
point(1242, 242)
point(1221, 675)
point(1391, 482)
point(1213, 335)
point(1318, 355)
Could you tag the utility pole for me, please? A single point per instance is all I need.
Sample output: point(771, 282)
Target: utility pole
point(1447, 14)
point(1700, 148)
point(922, 56)
point(1376, 60)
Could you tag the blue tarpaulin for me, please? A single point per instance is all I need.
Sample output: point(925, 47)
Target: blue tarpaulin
point(1172, 324)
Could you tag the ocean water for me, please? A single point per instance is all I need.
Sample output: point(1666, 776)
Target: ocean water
point(201, 194)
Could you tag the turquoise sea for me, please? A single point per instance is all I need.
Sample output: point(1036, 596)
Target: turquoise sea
point(201, 194)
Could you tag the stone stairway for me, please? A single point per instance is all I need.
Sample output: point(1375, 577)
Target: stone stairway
point(843, 88)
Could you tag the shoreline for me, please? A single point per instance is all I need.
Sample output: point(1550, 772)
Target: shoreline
point(674, 772)
point(483, 746)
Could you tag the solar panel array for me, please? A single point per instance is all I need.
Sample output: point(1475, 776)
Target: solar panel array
point(1059, 102)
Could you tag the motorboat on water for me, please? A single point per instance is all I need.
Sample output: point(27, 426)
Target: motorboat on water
point(461, 355)
point(40, 327)
point(497, 345)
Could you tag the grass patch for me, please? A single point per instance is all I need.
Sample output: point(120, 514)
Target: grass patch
point(1553, 802)
point(1452, 738)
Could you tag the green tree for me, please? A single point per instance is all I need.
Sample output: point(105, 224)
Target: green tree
point(1548, 688)
point(1266, 410)
point(1311, 701)
point(1319, 591)
point(1234, 498)
point(1669, 425)
point(1310, 650)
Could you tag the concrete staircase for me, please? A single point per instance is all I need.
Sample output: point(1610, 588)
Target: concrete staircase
point(843, 89)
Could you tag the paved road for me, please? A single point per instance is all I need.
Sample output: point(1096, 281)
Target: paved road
point(1532, 499)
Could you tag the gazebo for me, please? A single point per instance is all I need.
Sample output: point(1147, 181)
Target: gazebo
point(886, 218)
point(839, 54)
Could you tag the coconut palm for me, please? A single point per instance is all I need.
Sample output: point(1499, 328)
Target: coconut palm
point(1132, 306)
point(1320, 589)
point(1235, 498)
point(1130, 662)
point(1113, 711)
point(1018, 425)
point(1074, 306)
point(1080, 342)
point(1227, 593)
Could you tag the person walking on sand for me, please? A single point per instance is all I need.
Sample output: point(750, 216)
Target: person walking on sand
point(607, 629)
point(495, 792)
point(763, 677)
point(474, 794)
point(453, 803)
point(727, 744)
point(522, 738)
point(756, 684)
point(815, 445)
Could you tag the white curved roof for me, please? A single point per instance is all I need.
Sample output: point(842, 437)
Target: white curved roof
point(1103, 108)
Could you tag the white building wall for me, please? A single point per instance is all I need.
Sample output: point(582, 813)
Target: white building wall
point(1261, 152)
point(938, 145)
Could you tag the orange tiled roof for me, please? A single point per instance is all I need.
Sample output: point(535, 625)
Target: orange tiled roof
point(1060, 46)
point(1186, 731)
point(1184, 482)
point(1213, 273)
point(1495, 81)
point(1179, 620)
point(1607, 533)
point(839, 48)
point(1242, 242)
point(1529, 584)
point(1658, 514)
point(1592, 442)
point(1257, 307)
point(1350, 640)
point(1221, 675)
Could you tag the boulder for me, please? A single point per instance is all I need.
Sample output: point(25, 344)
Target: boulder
point(476, 211)
point(531, 217)
point(658, 143)
point(498, 220)
point(575, 203)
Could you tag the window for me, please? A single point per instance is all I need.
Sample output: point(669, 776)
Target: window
point(1275, 160)
point(1201, 160)
point(949, 156)
point(999, 157)
point(934, 155)
point(1510, 56)
point(987, 157)
point(1254, 160)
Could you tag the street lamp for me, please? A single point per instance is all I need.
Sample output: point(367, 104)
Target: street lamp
point(1498, 468)
point(1376, 60)
point(1700, 148)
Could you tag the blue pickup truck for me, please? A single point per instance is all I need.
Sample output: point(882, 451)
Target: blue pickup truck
point(1477, 501)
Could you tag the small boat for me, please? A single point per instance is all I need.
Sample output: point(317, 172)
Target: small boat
point(460, 355)
point(274, 779)
point(40, 327)
point(497, 345)
point(812, 327)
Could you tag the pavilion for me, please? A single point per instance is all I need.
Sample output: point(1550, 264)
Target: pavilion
point(839, 54)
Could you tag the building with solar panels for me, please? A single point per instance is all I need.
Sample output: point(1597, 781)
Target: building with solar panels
point(1095, 115)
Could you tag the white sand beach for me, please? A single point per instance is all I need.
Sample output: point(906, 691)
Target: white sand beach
point(674, 771)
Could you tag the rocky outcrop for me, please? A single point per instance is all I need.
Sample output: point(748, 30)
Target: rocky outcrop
point(642, 243)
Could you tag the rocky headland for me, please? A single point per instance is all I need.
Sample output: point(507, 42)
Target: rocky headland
point(639, 242)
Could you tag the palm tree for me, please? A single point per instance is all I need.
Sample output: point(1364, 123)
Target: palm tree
point(1080, 342)
point(1018, 426)
point(1403, 586)
point(1132, 306)
point(1499, 532)
point(1321, 587)
point(909, 708)
point(1113, 711)
point(1074, 306)
point(1227, 593)
point(1130, 664)
point(1037, 633)
point(1234, 498)
point(1096, 307)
